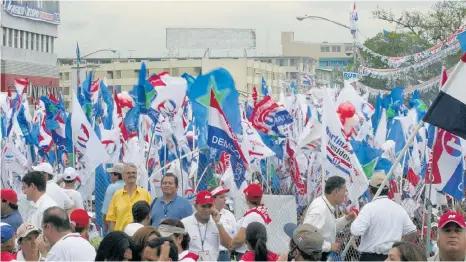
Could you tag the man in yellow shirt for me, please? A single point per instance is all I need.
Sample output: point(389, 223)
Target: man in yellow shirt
point(119, 212)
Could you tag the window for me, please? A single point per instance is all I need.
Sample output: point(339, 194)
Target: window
point(37, 42)
point(51, 43)
point(15, 42)
point(324, 48)
point(110, 74)
point(27, 40)
point(21, 34)
point(175, 72)
point(118, 74)
point(67, 76)
point(4, 36)
point(348, 48)
point(10, 37)
point(46, 44)
point(33, 36)
point(136, 72)
point(61, 76)
point(336, 48)
point(42, 43)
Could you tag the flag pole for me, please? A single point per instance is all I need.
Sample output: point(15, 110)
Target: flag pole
point(385, 182)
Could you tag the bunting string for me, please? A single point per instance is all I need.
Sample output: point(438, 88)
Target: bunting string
point(429, 56)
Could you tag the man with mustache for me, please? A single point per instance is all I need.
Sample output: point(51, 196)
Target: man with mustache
point(120, 210)
point(451, 238)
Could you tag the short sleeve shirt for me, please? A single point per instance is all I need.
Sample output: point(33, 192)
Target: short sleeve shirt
point(71, 247)
point(244, 222)
point(120, 207)
point(204, 237)
point(178, 208)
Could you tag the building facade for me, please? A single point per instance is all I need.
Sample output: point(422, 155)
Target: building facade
point(246, 72)
point(328, 55)
point(29, 30)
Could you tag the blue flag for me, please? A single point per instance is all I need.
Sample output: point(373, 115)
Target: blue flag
point(198, 93)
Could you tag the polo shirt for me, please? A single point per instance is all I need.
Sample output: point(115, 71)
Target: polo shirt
point(76, 197)
point(120, 207)
point(58, 195)
point(204, 237)
point(178, 208)
point(381, 223)
point(44, 202)
point(229, 224)
point(321, 214)
point(71, 247)
point(14, 219)
point(111, 189)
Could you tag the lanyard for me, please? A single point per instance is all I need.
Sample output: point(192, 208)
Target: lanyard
point(200, 235)
point(166, 208)
point(333, 212)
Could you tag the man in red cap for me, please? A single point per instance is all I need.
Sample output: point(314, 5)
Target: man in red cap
point(9, 208)
point(205, 229)
point(257, 212)
point(451, 238)
point(80, 220)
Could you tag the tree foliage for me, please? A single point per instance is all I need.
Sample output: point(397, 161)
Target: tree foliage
point(416, 32)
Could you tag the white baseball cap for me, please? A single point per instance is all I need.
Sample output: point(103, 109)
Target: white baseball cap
point(44, 167)
point(69, 174)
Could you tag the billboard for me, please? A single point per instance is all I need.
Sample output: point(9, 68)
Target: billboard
point(214, 38)
point(39, 10)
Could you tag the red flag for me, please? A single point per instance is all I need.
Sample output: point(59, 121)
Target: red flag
point(444, 76)
point(294, 170)
point(254, 95)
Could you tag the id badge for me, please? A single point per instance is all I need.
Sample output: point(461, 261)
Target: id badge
point(204, 255)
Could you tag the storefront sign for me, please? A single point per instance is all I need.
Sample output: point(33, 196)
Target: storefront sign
point(29, 11)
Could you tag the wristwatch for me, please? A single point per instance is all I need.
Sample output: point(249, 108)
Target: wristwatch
point(219, 224)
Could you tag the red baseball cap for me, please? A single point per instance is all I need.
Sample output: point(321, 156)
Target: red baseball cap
point(204, 197)
point(219, 191)
point(9, 195)
point(253, 192)
point(451, 217)
point(80, 217)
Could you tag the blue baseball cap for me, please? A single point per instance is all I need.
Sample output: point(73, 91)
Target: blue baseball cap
point(6, 231)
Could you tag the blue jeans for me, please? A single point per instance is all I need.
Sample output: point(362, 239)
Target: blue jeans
point(224, 256)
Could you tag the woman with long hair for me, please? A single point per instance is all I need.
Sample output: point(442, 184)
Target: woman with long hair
point(116, 246)
point(174, 229)
point(141, 237)
point(257, 212)
point(256, 240)
point(405, 251)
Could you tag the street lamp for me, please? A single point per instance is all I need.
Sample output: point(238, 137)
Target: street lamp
point(84, 56)
point(313, 17)
point(301, 18)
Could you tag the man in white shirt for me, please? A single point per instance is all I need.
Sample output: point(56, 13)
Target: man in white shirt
point(322, 214)
point(226, 218)
point(205, 229)
point(66, 246)
point(381, 223)
point(34, 186)
point(69, 176)
point(53, 190)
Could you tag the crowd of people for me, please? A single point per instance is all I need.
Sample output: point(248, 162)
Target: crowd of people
point(55, 227)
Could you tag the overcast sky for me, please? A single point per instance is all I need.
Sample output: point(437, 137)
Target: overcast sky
point(140, 25)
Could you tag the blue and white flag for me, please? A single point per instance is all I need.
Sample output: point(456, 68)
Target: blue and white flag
point(220, 136)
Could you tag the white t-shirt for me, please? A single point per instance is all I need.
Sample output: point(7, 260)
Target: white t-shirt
point(75, 196)
point(244, 222)
point(20, 256)
point(131, 228)
point(203, 233)
point(71, 247)
point(44, 202)
point(58, 195)
point(229, 224)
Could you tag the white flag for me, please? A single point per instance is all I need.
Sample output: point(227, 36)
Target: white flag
point(89, 150)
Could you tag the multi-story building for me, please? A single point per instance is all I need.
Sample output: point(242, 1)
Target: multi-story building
point(247, 72)
point(29, 31)
point(328, 55)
